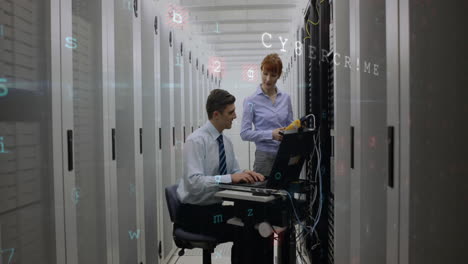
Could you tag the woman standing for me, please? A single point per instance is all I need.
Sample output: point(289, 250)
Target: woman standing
point(269, 110)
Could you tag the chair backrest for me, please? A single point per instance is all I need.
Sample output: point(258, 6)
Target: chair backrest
point(172, 200)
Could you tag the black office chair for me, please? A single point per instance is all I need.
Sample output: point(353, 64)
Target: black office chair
point(184, 239)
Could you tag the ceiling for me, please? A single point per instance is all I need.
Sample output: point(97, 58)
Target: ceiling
point(233, 29)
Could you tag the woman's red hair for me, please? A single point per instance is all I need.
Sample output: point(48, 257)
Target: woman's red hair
point(272, 63)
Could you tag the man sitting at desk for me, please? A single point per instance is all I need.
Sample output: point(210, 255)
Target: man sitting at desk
point(209, 160)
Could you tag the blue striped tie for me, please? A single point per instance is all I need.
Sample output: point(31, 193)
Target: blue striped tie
point(222, 156)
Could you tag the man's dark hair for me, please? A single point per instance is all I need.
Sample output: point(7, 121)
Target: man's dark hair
point(217, 101)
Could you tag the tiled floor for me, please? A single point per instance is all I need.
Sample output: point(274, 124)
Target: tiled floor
point(222, 255)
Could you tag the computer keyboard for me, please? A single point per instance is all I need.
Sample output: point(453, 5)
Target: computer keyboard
point(255, 184)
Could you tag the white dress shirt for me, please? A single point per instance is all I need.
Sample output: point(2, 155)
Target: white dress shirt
point(201, 166)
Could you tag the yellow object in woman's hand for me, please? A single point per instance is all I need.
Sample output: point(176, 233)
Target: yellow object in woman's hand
point(294, 125)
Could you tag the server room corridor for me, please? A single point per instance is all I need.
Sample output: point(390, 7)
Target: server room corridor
point(120, 141)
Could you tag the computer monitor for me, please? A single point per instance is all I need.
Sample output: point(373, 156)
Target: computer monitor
point(293, 150)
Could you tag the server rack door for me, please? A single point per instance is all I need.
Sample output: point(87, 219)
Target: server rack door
point(213, 85)
point(291, 84)
point(188, 93)
point(374, 113)
point(127, 133)
point(137, 102)
point(285, 77)
point(208, 82)
point(209, 86)
point(342, 152)
point(201, 97)
point(167, 129)
point(206, 92)
point(433, 128)
point(68, 134)
point(318, 95)
point(159, 180)
point(109, 92)
point(393, 128)
point(300, 75)
point(197, 96)
point(291, 81)
point(195, 93)
point(369, 118)
point(355, 183)
point(150, 45)
point(207, 89)
point(179, 106)
point(31, 157)
point(85, 109)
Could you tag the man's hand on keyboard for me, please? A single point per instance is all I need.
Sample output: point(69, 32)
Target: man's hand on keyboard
point(247, 176)
point(256, 175)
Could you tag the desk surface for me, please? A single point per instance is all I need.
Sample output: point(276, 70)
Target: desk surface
point(247, 196)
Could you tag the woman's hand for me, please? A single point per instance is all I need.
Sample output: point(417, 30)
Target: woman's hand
point(276, 134)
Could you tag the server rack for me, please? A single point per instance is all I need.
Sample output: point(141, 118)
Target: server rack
point(367, 232)
point(89, 174)
point(318, 96)
point(188, 94)
point(179, 106)
point(426, 123)
point(195, 93)
point(31, 159)
point(167, 129)
point(340, 33)
point(201, 93)
point(151, 90)
point(128, 129)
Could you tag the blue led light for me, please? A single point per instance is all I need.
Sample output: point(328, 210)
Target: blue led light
point(250, 212)
point(278, 175)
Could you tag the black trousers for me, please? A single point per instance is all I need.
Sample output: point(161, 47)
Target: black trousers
point(211, 220)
